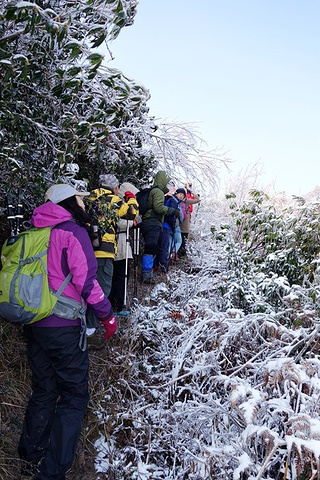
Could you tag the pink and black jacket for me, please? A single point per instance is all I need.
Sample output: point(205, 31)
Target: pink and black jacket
point(70, 251)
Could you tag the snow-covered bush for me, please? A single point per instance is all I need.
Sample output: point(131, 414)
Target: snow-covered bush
point(60, 104)
point(273, 257)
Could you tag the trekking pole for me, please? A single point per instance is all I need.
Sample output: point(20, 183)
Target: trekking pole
point(19, 214)
point(136, 247)
point(134, 261)
point(11, 216)
point(124, 312)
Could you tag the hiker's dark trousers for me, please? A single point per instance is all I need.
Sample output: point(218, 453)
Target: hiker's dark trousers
point(58, 402)
point(116, 296)
point(151, 234)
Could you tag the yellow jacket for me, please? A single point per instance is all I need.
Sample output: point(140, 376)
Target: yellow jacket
point(108, 208)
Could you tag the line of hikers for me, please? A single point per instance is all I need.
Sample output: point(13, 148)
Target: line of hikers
point(93, 248)
point(164, 223)
point(165, 226)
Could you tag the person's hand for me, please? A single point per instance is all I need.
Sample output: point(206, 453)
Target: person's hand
point(95, 236)
point(137, 220)
point(128, 195)
point(110, 326)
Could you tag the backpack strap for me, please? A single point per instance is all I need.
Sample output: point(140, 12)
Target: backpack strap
point(63, 285)
point(71, 309)
point(31, 259)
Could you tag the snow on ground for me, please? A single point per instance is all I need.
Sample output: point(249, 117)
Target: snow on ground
point(203, 391)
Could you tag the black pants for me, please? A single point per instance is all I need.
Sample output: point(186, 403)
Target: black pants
point(58, 402)
point(151, 234)
point(162, 257)
point(116, 296)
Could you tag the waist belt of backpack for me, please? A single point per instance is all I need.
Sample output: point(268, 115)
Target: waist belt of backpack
point(67, 307)
point(71, 310)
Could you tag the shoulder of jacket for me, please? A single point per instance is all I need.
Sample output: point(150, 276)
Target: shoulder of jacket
point(99, 192)
point(66, 223)
point(157, 190)
point(116, 200)
point(69, 233)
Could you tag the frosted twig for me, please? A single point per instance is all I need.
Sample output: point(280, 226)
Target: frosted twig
point(266, 462)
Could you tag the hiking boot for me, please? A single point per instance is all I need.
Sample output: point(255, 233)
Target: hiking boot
point(160, 274)
point(160, 269)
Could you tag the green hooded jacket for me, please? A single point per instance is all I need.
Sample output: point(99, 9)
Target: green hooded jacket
point(157, 209)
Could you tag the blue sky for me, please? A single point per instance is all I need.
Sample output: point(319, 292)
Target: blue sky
point(247, 72)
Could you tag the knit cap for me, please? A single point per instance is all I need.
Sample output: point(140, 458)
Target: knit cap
point(108, 180)
point(181, 190)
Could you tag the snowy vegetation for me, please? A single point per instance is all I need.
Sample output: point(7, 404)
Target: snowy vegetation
point(59, 104)
point(217, 376)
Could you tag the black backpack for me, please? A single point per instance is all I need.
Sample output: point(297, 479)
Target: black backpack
point(142, 198)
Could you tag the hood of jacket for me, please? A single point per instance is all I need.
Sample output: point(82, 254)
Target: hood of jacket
point(161, 180)
point(49, 214)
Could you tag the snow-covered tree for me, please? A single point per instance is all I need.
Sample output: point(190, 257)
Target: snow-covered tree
point(58, 103)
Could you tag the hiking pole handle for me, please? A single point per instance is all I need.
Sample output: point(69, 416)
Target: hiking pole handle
point(19, 216)
point(11, 217)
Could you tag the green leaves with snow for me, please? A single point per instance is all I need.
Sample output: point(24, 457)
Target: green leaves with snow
point(272, 252)
point(56, 97)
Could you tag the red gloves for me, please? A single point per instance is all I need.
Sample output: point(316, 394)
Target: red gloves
point(128, 195)
point(110, 326)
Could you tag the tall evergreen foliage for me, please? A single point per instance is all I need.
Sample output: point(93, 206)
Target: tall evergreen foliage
point(61, 106)
point(58, 102)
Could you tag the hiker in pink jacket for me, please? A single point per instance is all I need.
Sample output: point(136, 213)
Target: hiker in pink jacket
point(56, 347)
